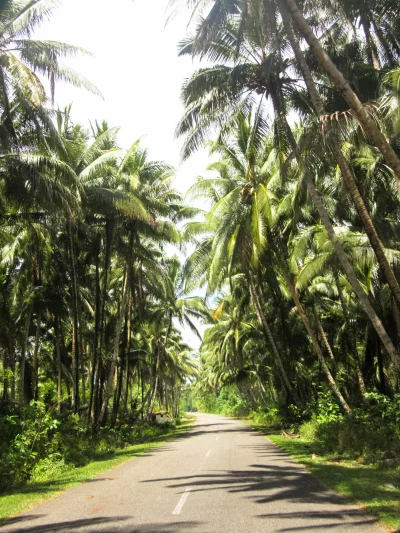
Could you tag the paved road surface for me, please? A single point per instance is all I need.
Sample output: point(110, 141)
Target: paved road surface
point(220, 477)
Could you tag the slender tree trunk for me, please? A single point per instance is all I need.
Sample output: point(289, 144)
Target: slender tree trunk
point(385, 45)
point(353, 341)
point(156, 378)
point(326, 341)
point(271, 341)
point(35, 367)
point(58, 354)
point(314, 340)
point(75, 321)
point(381, 371)
point(372, 50)
point(11, 352)
point(367, 122)
point(109, 383)
point(22, 364)
point(6, 368)
point(345, 168)
point(109, 233)
point(97, 335)
point(142, 391)
point(128, 351)
point(120, 372)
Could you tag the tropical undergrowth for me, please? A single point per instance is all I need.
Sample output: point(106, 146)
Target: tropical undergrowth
point(37, 445)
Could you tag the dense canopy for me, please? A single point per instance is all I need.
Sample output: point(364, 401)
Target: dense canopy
point(293, 261)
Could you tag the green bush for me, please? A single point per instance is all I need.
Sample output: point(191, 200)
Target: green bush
point(270, 418)
point(308, 430)
point(35, 445)
point(371, 431)
point(230, 403)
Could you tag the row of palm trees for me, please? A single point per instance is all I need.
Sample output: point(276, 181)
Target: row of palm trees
point(301, 243)
point(91, 293)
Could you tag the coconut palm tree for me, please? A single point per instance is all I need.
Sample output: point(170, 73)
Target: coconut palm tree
point(223, 89)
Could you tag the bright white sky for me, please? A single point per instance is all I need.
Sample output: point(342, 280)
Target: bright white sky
point(135, 66)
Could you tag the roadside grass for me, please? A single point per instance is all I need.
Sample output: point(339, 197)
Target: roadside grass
point(375, 487)
point(22, 498)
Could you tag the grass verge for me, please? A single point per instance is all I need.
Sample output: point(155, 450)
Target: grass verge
point(375, 487)
point(22, 498)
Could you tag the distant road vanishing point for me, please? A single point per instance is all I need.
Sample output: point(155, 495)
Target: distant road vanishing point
point(219, 477)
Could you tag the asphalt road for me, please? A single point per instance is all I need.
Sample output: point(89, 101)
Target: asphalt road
point(221, 476)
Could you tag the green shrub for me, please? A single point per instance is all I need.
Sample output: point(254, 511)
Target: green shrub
point(49, 468)
point(371, 431)
point(270, 418)
point(308, 430)
point(37, 446)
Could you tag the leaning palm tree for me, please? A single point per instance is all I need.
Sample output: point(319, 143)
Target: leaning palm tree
point(214, 92)
point(242, 227)
point(220, 11)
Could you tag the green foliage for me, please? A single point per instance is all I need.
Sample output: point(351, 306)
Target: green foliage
point(268, 418)
point(230, 402)
point(371, 432)
point(37, 446)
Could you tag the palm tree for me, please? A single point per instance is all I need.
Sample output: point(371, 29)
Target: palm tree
point(221, 10)
point(24, 59)
point(214, 91)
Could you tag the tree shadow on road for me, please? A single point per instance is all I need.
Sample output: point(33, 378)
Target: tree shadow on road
point(278, 488)
point(104, 524)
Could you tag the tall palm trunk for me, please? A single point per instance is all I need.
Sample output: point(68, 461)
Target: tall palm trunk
point(58, 355)
point(75, 321)
point(372, 51)
point(11, 352)
point(364, 118)
point(35, 365)
point(118, 326)
point(345, 168)
point(271, 341)
point(326, 341)
point(109, 233)
point(22, 364)
point(353, 341)
point(95, 359)
point(384, 44)
point(128, 351)
point(120, 378)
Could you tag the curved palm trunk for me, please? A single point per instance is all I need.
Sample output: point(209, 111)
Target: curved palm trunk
point(364, 118)
point(351, 276)
point(326, 341)
point(345, 168)
point(344, 261)
point(270, 339)
point(314, 340)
